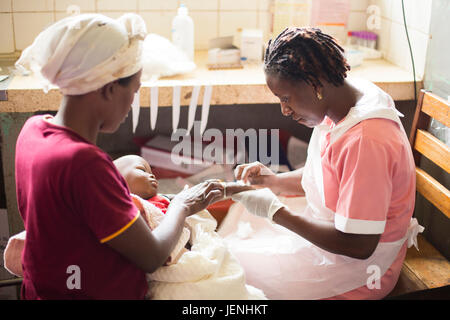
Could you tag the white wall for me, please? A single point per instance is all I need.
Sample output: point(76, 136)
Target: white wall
point(22, 20)
point(393, 40)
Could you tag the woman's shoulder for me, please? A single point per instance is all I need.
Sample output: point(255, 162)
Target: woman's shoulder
point(91, 156)
point(381, 132)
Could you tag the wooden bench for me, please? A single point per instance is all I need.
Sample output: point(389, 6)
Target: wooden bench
point(428, 268)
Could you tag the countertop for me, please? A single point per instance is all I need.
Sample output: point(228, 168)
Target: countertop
point(232, 86)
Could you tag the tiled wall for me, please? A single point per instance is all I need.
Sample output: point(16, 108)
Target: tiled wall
point(22, 20)
point(393, 40)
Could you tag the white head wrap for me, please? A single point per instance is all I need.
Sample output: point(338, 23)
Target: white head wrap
point(82, 53)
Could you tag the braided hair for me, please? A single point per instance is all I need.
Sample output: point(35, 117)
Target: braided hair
point(306, 54)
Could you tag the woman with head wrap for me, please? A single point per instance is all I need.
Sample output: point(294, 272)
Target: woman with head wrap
point(85, 237)
point(358, 182)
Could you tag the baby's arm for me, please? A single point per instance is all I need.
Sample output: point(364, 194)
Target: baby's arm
point(236, 187)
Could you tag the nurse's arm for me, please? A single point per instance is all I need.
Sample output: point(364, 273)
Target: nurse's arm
point(323, 234)
point(289, 183)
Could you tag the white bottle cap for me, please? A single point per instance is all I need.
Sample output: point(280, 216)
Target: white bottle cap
point(182, 10)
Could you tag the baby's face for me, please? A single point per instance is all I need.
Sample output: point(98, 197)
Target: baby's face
point(141, 180)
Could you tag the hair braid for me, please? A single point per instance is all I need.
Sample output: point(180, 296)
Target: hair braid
point(306, 54)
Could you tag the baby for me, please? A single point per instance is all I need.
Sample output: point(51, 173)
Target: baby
point(143, 184)
point(141, 181)
point(144, 190)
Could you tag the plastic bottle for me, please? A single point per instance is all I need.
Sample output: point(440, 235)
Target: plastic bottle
point(372, 40)
point(350, 39)
point(183, 32)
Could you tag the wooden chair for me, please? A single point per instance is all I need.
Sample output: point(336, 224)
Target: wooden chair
point(16, 281)
point(427, 268)
point(11, 282)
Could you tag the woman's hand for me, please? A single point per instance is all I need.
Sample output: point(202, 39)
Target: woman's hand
point(198, 197)
point(256, 174)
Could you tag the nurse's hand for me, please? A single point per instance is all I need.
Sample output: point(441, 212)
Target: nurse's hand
point(256, 174)
point(261, 202)
point(199, 197)
point(236, 187)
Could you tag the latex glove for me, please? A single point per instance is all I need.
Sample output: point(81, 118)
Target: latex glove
point(254, 173)
point(261, 202)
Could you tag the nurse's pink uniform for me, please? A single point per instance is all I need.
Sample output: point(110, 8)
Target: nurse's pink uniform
point(363, 179)
point(368, 184)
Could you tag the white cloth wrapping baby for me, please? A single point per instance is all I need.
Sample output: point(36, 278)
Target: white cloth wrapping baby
point(207, 272)
point(12, 256)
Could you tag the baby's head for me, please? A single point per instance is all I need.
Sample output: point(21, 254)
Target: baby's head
point(138, 175)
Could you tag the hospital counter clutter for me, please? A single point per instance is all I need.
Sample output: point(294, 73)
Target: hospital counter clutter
point(241, 90)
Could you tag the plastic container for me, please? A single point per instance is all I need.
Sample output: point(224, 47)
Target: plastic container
point(251, 45)
point(354, 57)
point(371, 40)
point(361, 46)
point(362, 38)
point(183, 32)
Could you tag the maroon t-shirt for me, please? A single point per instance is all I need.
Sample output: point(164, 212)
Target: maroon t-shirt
point(72, 200)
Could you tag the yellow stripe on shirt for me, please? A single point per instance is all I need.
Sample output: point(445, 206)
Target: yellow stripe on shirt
point(115, 234)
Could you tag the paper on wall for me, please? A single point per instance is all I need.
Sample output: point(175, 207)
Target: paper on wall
point(153, 106)
point(331, 16)
point(330, 12)
point(193, 107)
point(205, 108)
point(176, 107)
point(135, 108)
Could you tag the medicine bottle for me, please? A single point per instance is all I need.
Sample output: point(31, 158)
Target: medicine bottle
point(183, 32)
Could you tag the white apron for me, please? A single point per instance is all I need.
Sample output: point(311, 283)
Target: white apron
point(312, 182)
point(286, 266)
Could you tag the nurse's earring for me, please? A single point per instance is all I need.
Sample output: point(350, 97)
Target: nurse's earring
point(319, 95)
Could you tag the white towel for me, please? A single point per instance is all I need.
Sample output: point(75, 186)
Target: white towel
point(207, 272)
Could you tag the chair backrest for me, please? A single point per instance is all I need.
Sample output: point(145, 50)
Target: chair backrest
point(423, 143)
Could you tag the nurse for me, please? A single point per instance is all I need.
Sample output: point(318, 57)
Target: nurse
point(85, 237)
point(358, 183)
